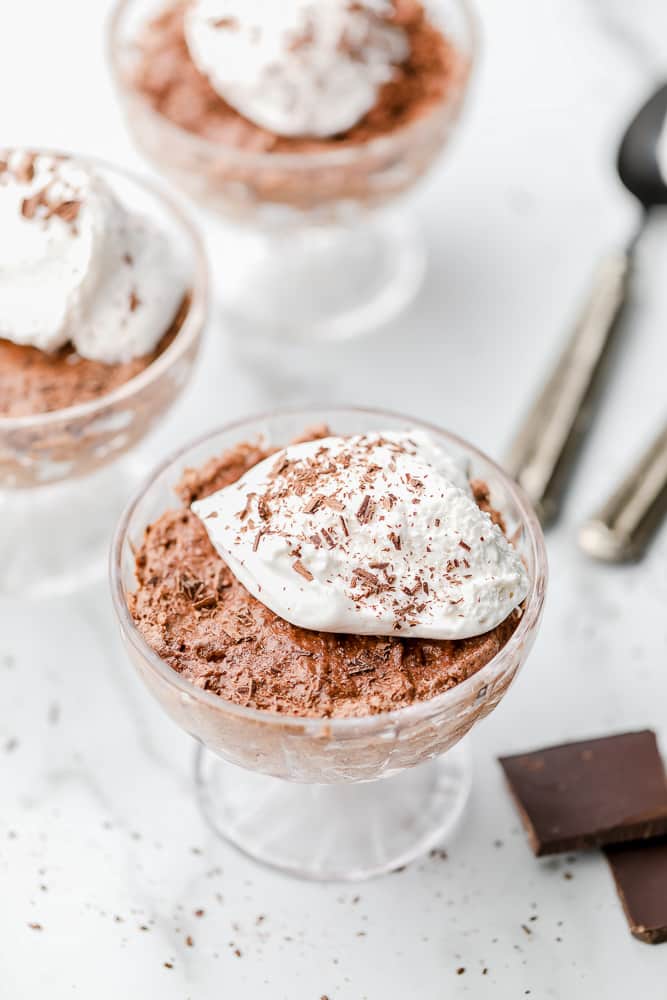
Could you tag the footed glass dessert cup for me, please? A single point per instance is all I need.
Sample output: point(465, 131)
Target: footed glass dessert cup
point(329, 798)
point(316, 244)
point(65, 475)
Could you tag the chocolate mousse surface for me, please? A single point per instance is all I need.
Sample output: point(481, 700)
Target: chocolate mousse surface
point(34, 381)
point(167, 76)
point(200, 620)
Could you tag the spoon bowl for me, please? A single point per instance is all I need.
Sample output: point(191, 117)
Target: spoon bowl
point(642, 148)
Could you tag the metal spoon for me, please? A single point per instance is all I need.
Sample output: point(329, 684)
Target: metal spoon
point(624, 525)
point(543, 452)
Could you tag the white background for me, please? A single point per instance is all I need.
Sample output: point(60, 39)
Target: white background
point(99, 834)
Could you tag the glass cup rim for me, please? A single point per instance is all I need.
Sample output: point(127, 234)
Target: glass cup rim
point(315, 725)
point(380, 146)
point(181, 343)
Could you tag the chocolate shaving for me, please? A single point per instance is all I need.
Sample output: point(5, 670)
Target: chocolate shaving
point(279, 466)
point(189, 585)
point(263, 508)
point(207, 601)
point(30, 205)
point(68, 211)
point(343, 523)
point(333, 504)
point(395, 540)
point(242, 514)
point(299, 568)
point(464, 545)
point(327, 538)
point(366, 510)
point(313, 504)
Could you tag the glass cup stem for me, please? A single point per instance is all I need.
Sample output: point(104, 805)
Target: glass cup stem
point(320, 281)
point(330, 832)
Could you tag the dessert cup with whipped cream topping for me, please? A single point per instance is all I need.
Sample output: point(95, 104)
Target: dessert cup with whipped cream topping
point(301, 124)
point(329, 614)
point(102, 304)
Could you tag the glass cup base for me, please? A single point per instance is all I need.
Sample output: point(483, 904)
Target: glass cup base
point(315, 283)
point(54, 539)
point(335, 832)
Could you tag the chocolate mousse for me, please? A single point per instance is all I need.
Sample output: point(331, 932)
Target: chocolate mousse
point(377, 84)
point(201, 620)
point(34, 381)
point(168, 77)
point(91, 292)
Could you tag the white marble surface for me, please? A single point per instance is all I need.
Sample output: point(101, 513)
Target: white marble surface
point(100, 840)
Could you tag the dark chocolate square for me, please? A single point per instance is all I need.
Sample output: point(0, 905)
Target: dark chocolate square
point(640, 873)
point(590, 793)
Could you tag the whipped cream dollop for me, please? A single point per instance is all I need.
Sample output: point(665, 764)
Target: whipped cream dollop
point(76, 266)
point(296, 67)
point(376, 534)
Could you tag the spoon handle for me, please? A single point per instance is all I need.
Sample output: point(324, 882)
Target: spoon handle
point(625, 524)
point(543, 452)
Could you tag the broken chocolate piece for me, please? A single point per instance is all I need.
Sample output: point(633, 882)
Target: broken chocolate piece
point(590, 793)
point(640, 873)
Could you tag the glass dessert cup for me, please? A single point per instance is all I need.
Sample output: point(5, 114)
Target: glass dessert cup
point(316, 245)
point(338, 798)
point(65, 475)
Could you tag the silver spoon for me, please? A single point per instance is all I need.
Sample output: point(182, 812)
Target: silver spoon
point(544, 450)
point(623, 527)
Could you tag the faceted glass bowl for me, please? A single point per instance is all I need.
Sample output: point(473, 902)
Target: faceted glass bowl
point(329, 798)
point(61, 486)
point(314, 252)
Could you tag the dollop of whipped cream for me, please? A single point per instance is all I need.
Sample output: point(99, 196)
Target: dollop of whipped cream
point(296, 67)
point(376, 534)
point(76, 266)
